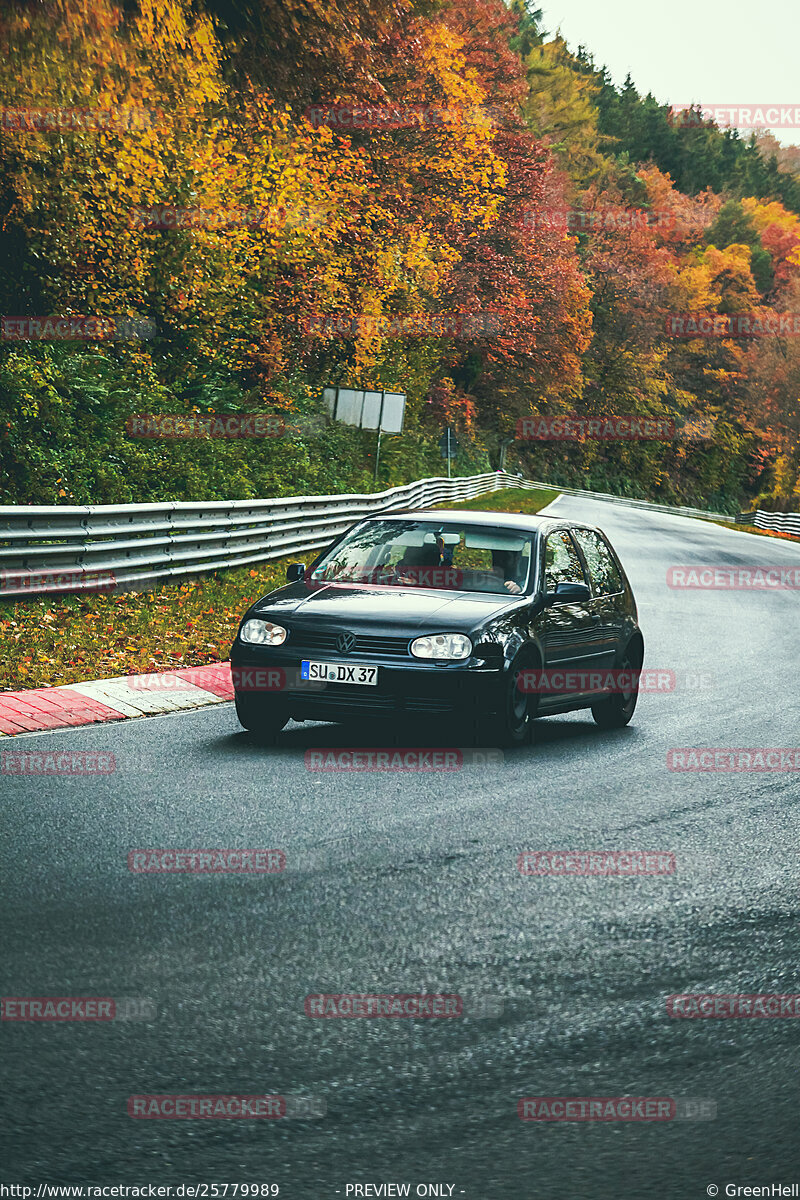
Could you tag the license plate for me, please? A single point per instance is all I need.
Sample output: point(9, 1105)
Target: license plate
point(338, 673)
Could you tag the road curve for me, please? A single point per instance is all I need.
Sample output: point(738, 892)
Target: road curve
point(408, 883)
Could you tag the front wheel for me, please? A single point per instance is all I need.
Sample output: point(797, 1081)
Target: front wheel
point(260, 715)
point(511, 724)
point(615, 711)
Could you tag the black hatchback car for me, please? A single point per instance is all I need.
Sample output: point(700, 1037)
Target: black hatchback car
point(492, 619)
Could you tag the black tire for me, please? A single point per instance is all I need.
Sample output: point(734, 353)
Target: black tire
point(615, 711)
point(260, 715)
point(511, 724)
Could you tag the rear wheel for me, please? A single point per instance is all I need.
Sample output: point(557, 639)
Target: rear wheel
point(615, 711)
point(261, 715)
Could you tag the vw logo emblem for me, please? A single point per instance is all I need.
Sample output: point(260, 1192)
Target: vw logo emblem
point(345, 643)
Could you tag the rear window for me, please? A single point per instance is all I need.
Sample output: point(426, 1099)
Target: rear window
point(562, 563)
point(606, 579)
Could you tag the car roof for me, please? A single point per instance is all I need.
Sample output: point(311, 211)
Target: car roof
point(529, 522)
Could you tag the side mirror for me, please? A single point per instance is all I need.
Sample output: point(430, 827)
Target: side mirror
point(295, 571)
point(568, 593)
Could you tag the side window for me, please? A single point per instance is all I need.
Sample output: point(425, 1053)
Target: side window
point(602, 568)
point(561, 562)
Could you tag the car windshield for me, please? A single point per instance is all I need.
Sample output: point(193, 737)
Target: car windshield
point(422, 554)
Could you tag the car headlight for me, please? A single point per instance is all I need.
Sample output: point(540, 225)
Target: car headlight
point(442, 646)
point(262, 633)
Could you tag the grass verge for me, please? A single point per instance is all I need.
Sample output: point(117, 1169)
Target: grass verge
point(53, 640)
point(770, 533)
point(515, 500)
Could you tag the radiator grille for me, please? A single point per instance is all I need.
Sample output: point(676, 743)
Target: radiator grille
point(320, 640)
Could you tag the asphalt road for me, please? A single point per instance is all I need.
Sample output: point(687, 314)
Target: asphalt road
point(408, 883)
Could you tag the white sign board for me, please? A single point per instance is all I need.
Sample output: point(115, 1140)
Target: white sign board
point(394, 407)
point(383, 411)
point(349, 406)
point(371, 412)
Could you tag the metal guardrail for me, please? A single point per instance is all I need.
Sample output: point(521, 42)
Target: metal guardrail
point(74, 548)
point(631, 502)
point(774, 521)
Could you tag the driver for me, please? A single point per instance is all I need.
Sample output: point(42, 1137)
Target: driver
point(410, 568)
point(506, 566)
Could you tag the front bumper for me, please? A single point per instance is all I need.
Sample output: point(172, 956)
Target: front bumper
point(405, 687)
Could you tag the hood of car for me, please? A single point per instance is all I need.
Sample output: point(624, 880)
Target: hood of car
point(351, 606)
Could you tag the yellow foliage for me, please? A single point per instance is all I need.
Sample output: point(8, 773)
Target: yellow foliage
point(764, 215)
point(710, 274)
point(85, 195)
